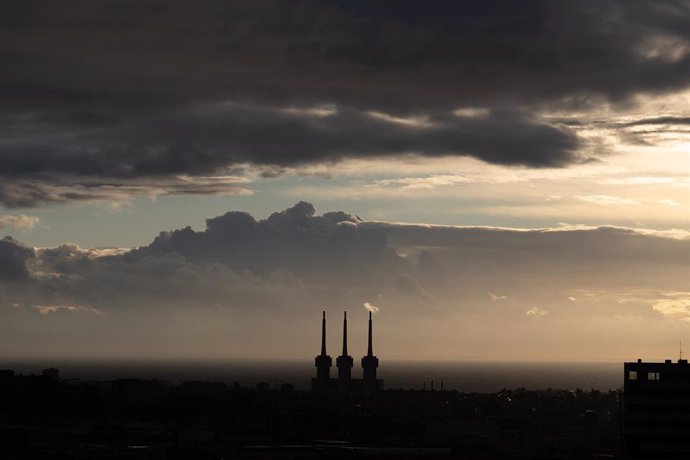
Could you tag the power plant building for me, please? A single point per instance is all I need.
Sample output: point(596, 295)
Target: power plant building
point(344, 363)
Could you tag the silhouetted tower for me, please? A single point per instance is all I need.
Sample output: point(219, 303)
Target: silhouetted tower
point(323, 362)
point(344, 362)
point(369, 364)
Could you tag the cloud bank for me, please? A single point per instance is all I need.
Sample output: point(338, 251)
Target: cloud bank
point(255, 288)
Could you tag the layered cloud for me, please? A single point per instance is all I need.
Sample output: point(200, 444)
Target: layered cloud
point(104, 99)
point(245, 287)
point(61, 189)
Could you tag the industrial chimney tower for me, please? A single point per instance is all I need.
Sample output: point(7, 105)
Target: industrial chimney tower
point(323, 362)
point(369, 364)
point(344, 362)
point(344, 382)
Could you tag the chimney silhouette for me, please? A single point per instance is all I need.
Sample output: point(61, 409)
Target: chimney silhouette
point(370, 363)
point(344, 362)
point(323, 362)
point(370, 346)
point(323, 334)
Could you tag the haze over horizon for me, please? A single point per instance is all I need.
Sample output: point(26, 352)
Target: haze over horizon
point(501, 180)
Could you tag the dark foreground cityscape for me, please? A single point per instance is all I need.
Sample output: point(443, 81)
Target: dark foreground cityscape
point(42, 417)
point(500, 186)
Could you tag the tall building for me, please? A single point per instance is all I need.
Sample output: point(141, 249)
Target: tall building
point(656, 410)
point(323, 363)
point(369, 364)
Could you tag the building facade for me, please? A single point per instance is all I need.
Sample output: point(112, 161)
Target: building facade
point(656, 410)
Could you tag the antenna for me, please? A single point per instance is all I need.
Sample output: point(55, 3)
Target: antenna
point(680, 349)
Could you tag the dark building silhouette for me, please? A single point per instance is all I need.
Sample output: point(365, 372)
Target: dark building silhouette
point(344, 362)
point(323, 363)
point(131, 418)
point(51, 373)
point(344, 382)
point(6, 374)
point(656, 410)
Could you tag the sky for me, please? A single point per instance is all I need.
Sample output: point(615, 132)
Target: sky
point(502, 180)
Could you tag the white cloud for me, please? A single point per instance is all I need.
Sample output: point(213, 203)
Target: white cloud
point(19, 222)
point(414, 122)
point(472, 112)
point(669, 202)
point(537, 312)
point(52, 309)
point(428, 182)
point(319, 111)
point(678, 308)
point(606, 200)
point(640, 180)
point(371, 307)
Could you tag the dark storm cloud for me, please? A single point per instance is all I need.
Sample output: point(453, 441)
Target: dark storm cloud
point(207, 139)
point(216, 136)
point(384, 55)
point(117, 89)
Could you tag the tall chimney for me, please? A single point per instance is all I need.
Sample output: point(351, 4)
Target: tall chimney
point(323, 363)
point(345, 334)
point(370, 363)
point(344, 362)
point(323, 334)
point(370, 351)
